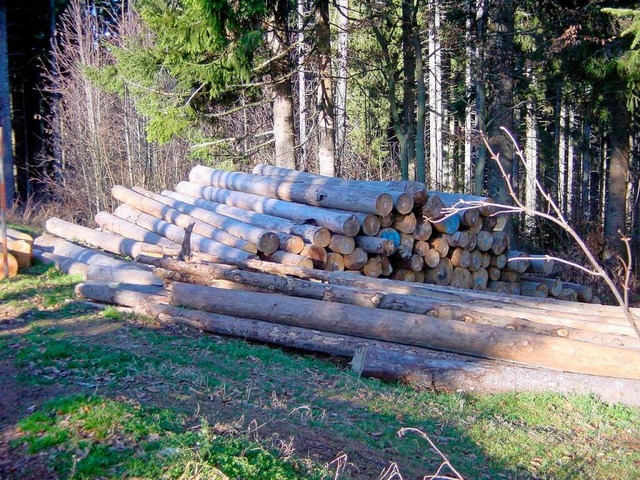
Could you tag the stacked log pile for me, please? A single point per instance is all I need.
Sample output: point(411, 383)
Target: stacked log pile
point(300, 260)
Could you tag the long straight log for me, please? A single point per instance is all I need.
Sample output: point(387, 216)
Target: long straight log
point(378, 203)
point(404, 194)
point(344, 223)
point(106, 241)
point(62, 264)
point(411, 329)
point(541, 264)
point(484, 376)
point(176, 234)
point(265, 240)
point(312, 234)
point(65, 249)
point(171, 215)
point(130, 275)
point(376, 245)
point(554, 285)
point(114, 224)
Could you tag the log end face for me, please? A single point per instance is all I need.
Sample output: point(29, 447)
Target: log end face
point(384, 204)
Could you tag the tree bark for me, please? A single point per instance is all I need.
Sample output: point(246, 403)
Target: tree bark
point(5, 111)
point(326, 119)
point(417, 330)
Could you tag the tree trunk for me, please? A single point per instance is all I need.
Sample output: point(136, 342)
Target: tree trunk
point(408, 152)
point(531, 154)
point(418, 330)
point(435, 98)
point(326, 139)
point(280, 68)
point(341, 82)
point(5, 111)
point(615, 218)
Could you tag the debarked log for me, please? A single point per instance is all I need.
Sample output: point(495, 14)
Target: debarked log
point(344, 223)
point(417, 330)
point(378, 203)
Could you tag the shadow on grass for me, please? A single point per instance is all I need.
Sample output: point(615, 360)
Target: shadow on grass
point(293, 404)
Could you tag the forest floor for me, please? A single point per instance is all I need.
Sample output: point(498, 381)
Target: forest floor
point(90, 392)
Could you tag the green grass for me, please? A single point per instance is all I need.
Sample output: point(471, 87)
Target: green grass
point(172, 403)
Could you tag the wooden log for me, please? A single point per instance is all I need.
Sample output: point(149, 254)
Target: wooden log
point(510, 275)
point(485, 377)
point(390, 234)
point(419, 276)
point(405, 249)
point(171, 215)
point(421, 248)
point(584, 292)
point(441, 274)
point(432, 258)
point(316, 254)
point(265, 240)
point(373, 267)
point(489, 223)
point(12, 267)
point(498, 261)
point(342, 244)
point(517, 261)
point(103, 240)
point(510, 288)
point(176, 234)
point(20, 246)
point(287, 258)
point(554, 285)
point(414, 263)
point(476, 228)
point(448, 224)
point(479, 279)
point(472, 242)
point(63, 248)
point(460, 278)
point(494, 273)
point(369, 224)
point(500, 242)
point(386, 220)
point(440, 245)
point(62, 264)
point(343, 223)
point(130, 275)
point(403, 200)
point(290, 243)
point(377, 245)
point(458, 239)
point(335, 262)
point(568, 295)
point(476, 260)
point(356, 260)
point(533, 289)
point(367, 201)
point(432, 208)
point(404, 275)
point(386, 266)
point(541, 264)
point(119, 226)
point(423, 230)
point(405, 223)
point(411, 329)
point(469, 217)
point(486, 260)
point(484, 241)
point(460, 257)
point(312, 234)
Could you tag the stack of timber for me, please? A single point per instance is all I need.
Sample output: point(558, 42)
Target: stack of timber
point(18, 251)
point(277, 258)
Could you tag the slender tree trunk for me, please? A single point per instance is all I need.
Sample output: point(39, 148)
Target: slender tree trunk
point(531, 154)
point(5, 109)
point(481, 98)
point(435, 98)
point(421, 108)
point(469, 104)
point(502, 55)
point(326, 139)
point(562, 154)
point(571, 164)
point(586, 169)
point(283, 129)
point(615, 215)
point(302, 84)
point(408, 159)
point(341, 82)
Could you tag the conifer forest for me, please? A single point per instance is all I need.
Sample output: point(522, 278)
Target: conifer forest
point(471, 96)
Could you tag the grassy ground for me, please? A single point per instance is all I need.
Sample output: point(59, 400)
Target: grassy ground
point(94, 393)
